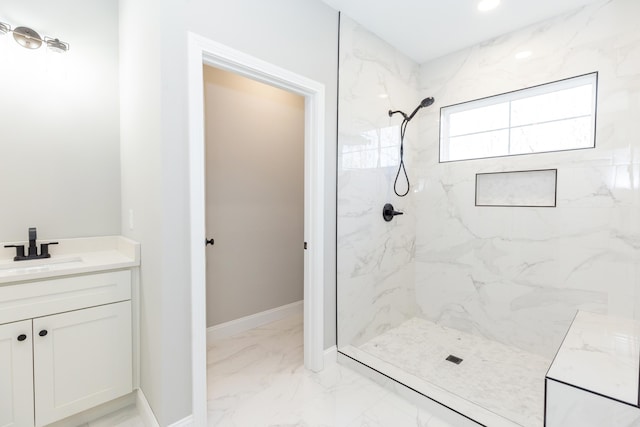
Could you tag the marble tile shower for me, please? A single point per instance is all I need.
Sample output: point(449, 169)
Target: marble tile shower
point(513, 276)
point(375, 272)
point(518, 275)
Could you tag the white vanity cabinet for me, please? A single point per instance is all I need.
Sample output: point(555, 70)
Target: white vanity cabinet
point(16, 374)
point(65, 346)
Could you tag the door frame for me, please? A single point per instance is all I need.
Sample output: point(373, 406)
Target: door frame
point(203, 51)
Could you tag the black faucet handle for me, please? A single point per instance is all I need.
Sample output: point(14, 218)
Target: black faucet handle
point(19, 251)
point(44, 249)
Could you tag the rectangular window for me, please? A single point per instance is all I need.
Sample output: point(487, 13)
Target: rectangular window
point(555, 116)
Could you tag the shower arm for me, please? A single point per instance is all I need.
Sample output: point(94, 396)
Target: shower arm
point(391, 113)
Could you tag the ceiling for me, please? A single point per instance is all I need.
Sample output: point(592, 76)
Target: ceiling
point(427, 29)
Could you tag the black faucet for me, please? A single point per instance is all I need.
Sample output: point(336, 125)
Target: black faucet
point(33, 236)
point(33, 249)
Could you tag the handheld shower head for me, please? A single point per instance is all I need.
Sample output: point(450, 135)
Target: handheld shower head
point(403, 127)
point(424, 103)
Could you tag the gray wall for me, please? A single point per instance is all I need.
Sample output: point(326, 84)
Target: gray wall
point(59, 158)
point(155, 190)
point(299, 35)
point(255, 196)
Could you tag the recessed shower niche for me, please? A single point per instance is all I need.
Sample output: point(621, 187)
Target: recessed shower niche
point(496, 287)
point(517, 188)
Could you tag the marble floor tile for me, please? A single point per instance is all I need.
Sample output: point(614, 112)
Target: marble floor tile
point(257, 378)
point(501, 379)
point(126, 417)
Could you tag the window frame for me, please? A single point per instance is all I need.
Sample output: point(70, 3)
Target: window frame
point(515, 95)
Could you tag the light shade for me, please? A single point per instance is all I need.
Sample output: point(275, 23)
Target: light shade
point(28, 38)
point(56, 45)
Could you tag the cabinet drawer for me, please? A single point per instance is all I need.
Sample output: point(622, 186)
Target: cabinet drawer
point(41, 298)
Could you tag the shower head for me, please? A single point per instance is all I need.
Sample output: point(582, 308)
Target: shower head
point(403, 127)
point(424, 103)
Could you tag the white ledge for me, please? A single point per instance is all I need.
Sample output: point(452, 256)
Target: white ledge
point(600, 354)
point(70, 257)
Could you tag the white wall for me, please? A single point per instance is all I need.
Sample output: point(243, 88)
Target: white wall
point(59, 161)
point(299, 35)
point(254, 196)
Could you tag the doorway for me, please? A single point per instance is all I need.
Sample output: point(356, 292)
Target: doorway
point(204, 51)
point(254, 155)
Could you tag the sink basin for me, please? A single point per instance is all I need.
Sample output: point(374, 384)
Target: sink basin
point(38, 265)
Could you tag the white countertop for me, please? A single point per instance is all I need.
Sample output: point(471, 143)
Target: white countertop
point(70, 256)
point(600, 354)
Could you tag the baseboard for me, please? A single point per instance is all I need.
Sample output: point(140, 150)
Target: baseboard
point(330, 356)
point(185, 422)
point(145, 411)
point(95, 413)
point(243, 324)
point(149, 419)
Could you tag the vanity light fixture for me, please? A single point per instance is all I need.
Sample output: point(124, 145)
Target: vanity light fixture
point(30, 39)
point(56, 45)
point(486, 5)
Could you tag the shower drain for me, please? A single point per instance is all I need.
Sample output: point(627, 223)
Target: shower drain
point(453, 359)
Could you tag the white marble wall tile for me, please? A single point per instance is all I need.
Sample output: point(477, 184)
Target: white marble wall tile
point(600, 354)
point(375, 258)
point(518, 275)
point(571, 407)
point(512, 275)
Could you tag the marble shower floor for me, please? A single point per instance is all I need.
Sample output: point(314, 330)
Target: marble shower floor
point(257, 378)
point(501, 379)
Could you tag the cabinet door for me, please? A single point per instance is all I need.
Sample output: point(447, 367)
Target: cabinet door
point(81, 359)
point(16, 375)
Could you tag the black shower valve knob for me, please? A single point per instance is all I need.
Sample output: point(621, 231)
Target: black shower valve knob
point(388, 212)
